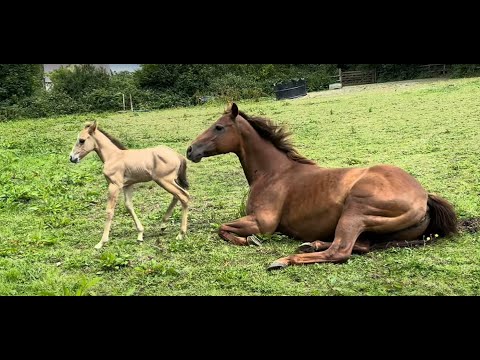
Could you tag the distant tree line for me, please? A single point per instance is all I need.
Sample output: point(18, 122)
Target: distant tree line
point(83, 88)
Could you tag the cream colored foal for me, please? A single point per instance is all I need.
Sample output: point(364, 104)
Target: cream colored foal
point(123, 168)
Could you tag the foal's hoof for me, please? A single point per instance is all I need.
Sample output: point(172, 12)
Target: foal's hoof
point(306, 248)
point(253, 240)
point(180, 236)
point(277, 265)
point(98, 246)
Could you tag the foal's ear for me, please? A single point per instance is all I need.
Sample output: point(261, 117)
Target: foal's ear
point(92, 127)
point(234, 110)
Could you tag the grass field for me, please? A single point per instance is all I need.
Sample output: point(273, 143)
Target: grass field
point(52, 212)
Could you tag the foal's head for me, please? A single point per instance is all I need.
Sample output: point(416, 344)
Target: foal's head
point(85, 143)
point(220, 138)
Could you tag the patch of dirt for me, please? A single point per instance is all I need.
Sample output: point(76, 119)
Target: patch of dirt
point(469, 225)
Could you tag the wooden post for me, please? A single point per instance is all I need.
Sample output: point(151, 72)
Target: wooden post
point(123, 96)
point(340, 75)
point(131, 103)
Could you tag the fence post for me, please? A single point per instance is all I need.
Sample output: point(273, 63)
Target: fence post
point(131, 103)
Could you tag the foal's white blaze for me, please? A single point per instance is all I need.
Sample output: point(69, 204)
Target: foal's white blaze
point(74, 156)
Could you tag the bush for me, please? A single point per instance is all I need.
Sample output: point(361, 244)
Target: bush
point(321, 78)
point(79, 79)
point(157, 76)
point(149, 100)
point(389, 72)
point(86, 89)
point(43, 104)
point(232, 87)
point(155, 86)
point(18, 81)
point(465, 70)
point(124, 82)
point(102, 100)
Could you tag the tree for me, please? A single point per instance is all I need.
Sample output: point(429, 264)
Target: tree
point(158, 76)
point(79, 79)
point(19, 80)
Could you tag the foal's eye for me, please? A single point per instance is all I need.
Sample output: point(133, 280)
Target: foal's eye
point(218, 128)
point(81, 141)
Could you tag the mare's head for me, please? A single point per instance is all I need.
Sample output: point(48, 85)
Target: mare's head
point(220, 138)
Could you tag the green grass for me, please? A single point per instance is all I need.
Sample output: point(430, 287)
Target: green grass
point(52, 212)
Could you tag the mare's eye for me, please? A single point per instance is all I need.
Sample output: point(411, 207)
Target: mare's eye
point(81, 141)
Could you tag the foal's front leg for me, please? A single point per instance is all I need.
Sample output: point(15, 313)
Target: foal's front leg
point(113, 191)
point(128, 192)
point(242, 231)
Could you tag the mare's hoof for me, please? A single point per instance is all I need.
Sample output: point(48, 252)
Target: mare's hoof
point(306, 248)
point(277, 265)
point(253, 240)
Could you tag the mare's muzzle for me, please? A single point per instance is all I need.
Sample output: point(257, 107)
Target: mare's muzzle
point(195, 153)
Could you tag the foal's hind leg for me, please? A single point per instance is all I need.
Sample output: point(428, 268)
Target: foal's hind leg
point(128, 191)
point(168, 213)
point(182, 195)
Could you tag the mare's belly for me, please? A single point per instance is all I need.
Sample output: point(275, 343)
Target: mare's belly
point(319, 225)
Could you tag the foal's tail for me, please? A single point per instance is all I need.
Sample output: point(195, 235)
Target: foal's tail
point(443, 220)
point(182, 174)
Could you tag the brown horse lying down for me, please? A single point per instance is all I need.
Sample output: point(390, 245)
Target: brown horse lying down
point(335, 211)
point(123, 168)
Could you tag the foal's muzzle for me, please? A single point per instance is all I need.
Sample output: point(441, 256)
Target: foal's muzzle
point(74, 160)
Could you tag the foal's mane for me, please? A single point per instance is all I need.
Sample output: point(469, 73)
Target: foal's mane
point(276, 134)
point(114, 140)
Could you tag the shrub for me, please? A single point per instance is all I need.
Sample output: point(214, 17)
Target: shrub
point(18, 81)
point(79, 79)
point(102, 100)
point(465, 70)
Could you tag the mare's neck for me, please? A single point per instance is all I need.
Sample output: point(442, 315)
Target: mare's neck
point(259, 157)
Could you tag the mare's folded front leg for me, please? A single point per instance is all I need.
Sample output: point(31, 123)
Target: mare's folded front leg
point(242, 231)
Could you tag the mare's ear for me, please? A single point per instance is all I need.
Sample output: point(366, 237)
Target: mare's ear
point(234, 111)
